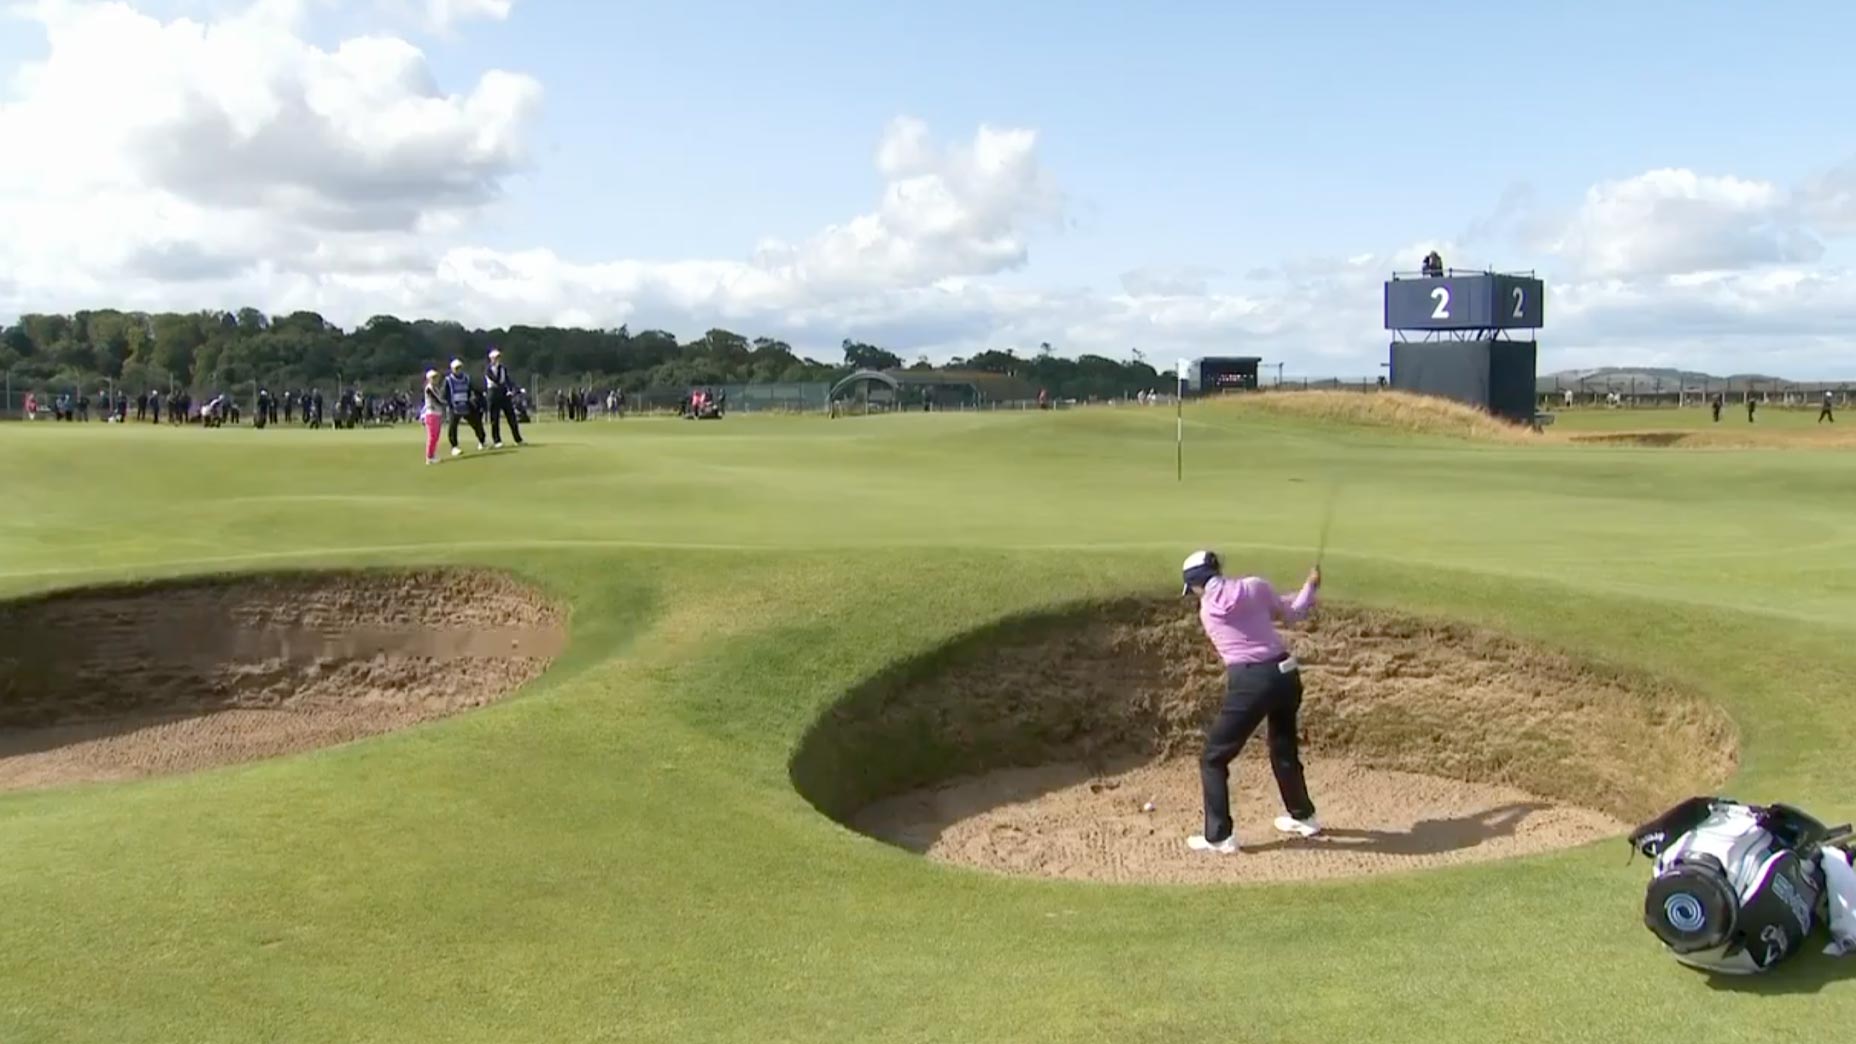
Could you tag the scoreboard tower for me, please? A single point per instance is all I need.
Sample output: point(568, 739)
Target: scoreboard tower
point(1463, 350)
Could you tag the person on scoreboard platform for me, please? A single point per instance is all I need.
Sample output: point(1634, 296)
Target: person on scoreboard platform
point(1433, 264)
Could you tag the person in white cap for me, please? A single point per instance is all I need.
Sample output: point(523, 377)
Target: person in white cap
point(500, 390)
point(462, 404)
point(1262, 683)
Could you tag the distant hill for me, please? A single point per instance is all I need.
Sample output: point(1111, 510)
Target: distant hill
point(1653, 379)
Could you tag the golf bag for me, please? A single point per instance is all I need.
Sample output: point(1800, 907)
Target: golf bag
point(1735, 888)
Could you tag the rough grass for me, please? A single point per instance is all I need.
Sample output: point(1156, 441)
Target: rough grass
point(1687, 428)
point(1390, 410)
point(1103, 682)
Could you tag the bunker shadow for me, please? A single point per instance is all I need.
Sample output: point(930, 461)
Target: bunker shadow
point(1426, 837)
point(486, 453)
point(46, 738)
point(954, 801)
point(1659, 439)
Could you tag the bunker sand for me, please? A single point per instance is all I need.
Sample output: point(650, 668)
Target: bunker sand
point(1728, 437)
point(1067, 821)
point(126, 683)
point(1032, 749)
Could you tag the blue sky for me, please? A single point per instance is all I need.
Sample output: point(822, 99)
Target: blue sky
point(1215, 134)
point(1203, 141)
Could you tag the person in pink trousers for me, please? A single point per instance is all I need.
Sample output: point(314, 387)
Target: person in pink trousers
point(432, 415)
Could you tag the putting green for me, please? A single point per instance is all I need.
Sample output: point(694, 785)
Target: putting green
point(617, 853)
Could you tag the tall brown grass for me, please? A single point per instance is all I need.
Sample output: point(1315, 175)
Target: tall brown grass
point(1401, 411)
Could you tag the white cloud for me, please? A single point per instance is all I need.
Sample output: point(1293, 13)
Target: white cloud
point(1185, 281)
point(1828, 200)
point(1668, 222)
point(946, 211)
point(221, 144)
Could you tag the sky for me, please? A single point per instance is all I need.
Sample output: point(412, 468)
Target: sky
point(1179, 179)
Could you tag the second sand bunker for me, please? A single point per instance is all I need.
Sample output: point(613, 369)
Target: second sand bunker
point(141, 681)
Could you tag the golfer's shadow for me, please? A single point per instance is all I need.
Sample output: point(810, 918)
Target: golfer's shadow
point(488, 453)
point(1426, 837)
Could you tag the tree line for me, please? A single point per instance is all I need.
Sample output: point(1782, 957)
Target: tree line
point(210, 352)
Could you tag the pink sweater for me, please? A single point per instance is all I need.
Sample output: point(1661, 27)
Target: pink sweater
point(1240, 616)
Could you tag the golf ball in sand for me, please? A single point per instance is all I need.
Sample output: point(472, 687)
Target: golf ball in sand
point(1148, 807)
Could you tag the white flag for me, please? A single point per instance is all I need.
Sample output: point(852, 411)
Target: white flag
point(1182, 370)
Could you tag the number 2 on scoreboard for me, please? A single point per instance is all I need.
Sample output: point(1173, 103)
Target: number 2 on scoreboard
point(1442, 296)
point(1520, 298)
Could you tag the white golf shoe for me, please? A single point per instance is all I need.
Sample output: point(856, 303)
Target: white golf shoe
point(456, 451)
point(1198, 843)
point(1298, 827)
point(496, 445)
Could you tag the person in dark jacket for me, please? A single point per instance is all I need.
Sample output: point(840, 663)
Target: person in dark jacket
point(501, 392)
point(461, 401)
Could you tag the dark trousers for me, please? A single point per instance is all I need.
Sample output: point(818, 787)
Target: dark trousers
point(499, 408)
point(1826, 415)
point(1253, 694)
point(470, 417)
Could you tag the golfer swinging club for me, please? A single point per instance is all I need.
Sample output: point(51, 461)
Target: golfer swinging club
point(1262, 682)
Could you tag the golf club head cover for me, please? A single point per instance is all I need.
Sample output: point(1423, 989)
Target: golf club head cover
point(1652, 837)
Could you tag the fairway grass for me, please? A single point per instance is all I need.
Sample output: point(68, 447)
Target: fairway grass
point(617, 852)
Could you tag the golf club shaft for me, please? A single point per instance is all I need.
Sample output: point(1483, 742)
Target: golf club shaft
point(1327, 524)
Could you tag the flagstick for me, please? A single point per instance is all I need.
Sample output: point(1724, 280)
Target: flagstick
point(1179, 423)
